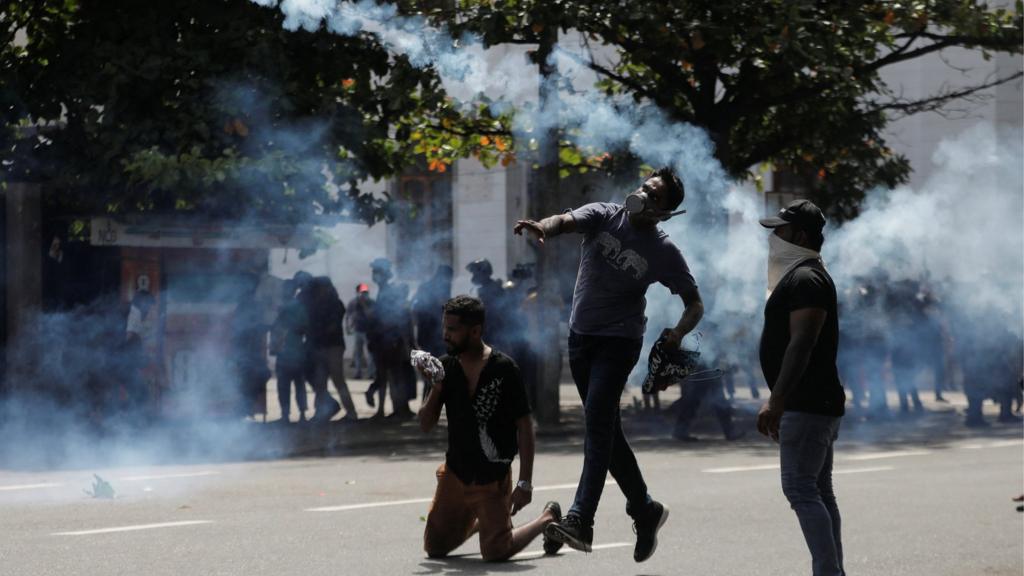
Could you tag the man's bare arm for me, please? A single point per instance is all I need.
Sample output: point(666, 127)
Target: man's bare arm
point(547, 228)
point(693, 311)
point(430, 412)
point(804, 327)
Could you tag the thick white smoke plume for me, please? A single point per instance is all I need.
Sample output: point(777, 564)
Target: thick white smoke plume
point(960, 235)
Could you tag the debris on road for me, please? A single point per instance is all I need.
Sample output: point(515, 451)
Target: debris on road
point(101, 489)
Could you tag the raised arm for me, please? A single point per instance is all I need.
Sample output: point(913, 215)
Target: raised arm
point(430, 412)
point(547, 228)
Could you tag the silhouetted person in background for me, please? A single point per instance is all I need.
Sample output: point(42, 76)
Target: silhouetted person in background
point(430, 298)
point(491, 292)
point(357, 322)
point(287, 341)
point(390, 329)
point(326, 337)
point(704, 388)
point(141, 349)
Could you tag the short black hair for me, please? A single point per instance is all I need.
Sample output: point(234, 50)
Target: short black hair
point(470, 311)
point(673, 186)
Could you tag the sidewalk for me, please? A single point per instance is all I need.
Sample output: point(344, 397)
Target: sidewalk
point(938, 423)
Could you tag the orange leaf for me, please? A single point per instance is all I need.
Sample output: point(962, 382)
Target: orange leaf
point(821, 174)
point(507, 160)
point(890, 16)
point(485, 141)
point(442, 167)
point(240, 128)
point(697, 40)
point(499, 143)
point(348, 83)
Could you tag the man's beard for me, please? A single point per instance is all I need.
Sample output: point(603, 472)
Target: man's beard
point(455, 349)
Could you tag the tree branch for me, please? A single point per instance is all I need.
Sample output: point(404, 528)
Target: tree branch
point(932, 103)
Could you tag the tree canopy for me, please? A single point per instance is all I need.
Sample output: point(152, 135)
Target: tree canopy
point(792, 83)
point(211, 107)
point(214, 107)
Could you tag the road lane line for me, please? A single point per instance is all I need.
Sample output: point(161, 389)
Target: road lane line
point(566, 550)
point(365, 505)
point(863, 470)
point(168, 476)
point(1005, 443)
point(11, 488)
point(133, 528)
point(885, 455)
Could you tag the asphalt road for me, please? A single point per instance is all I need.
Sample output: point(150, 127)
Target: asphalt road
point(908, 509)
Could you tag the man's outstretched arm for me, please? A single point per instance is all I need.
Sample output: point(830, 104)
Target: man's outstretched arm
point(547, 228)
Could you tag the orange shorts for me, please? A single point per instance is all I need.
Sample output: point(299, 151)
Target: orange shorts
point(460, 509)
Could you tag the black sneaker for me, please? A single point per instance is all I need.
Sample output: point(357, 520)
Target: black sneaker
point(646, 526)
point(552, 546)
point(572, 532)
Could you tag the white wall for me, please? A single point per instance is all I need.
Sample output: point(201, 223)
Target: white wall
point(918, 136)
point(480, 218)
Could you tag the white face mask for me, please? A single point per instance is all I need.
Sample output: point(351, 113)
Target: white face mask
point(783, 257)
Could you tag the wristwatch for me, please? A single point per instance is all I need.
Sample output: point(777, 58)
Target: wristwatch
point(524, 485)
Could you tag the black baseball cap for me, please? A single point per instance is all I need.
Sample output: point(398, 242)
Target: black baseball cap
point(801, 213)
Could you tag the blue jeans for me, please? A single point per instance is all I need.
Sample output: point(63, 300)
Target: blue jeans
point(360, 358)
point(600, 365)
point(806, 448)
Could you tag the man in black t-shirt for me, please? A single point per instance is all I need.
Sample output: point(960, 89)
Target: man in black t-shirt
point(799, 344)
point(488, 423)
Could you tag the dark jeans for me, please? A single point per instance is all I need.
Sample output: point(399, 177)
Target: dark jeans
point(600, 366)
point(806, 450)
point(287, 375)
point(391, 359)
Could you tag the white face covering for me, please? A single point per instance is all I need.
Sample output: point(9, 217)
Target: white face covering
point(783, 257)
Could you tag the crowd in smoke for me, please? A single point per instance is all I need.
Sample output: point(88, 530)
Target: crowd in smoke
point(930, 280)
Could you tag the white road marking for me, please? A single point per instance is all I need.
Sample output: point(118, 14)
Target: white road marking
point(30, 486)
point(566, 550)
point(168, 476)
point(885, 455)
point(363, 506)
point(607, 546)
point(863, 470)
point(133, 528)
point(1005, 443)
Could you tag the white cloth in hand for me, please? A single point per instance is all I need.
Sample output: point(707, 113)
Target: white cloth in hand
point(428, 364)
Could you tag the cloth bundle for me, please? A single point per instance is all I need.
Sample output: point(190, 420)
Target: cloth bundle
point(664, 364)
point(428, 364)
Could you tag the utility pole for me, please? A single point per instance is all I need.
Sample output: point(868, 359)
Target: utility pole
point(544, 200)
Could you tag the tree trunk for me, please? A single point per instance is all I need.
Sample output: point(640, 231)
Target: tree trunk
point(544, 201)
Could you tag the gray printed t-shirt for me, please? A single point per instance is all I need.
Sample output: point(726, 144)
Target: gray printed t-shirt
point(617, 264)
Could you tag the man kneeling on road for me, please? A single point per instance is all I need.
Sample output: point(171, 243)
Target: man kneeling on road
point(488, 422)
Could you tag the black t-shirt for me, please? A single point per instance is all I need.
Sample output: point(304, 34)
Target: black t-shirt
point(819, 390)
point(482, 436)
